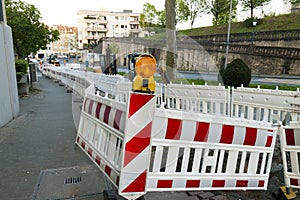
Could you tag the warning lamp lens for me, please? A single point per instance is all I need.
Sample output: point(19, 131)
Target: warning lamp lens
point(145, 66)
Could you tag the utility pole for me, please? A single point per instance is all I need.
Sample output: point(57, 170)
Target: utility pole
point(228, 35)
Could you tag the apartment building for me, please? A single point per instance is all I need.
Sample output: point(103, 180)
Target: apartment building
point(67, 43)
point(93, 25)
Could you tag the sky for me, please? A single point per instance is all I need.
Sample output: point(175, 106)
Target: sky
point(55, 12)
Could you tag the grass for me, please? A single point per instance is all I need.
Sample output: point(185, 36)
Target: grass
point(270, 23)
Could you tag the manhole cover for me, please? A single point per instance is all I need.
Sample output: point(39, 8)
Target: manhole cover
point(85, 182)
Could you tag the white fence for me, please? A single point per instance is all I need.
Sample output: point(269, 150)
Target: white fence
point(184, 137)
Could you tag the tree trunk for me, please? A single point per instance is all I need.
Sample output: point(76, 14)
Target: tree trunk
point(171, 39)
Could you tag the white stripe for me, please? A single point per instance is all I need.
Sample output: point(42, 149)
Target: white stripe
point(230, 183)
point(112, 115)
point(122, 122)
point(102, 110)
point(215, 131)
point(159, 128)
point(261, 137)
point(179, 183)
point(239, 135)
point(188, 130)
point(206, 183)
point(297, 137)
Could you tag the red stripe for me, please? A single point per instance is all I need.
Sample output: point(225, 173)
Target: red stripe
point(241, 183)
point(290, 137)
point(98, 160)
point(90, 151)
point(218, 183)
point(269, 141)
point(106, 114)
point(294, 182)
point(192, 183)
point(137, 144)
point(83, 144)
point(84, 107)
point(118, 181)
point(91, 107)
point(107, 170)
point(117, 119)
point(164, 183)
point(138, 184)
point(251, 135)
point(98, 110)
point(202, 130)
point(174, 129)
point(261, 183)
point(78, 138)
point(137, 101)
point(227, 134)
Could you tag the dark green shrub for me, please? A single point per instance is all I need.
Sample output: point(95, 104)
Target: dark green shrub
point(21, 68)
point(236, 74)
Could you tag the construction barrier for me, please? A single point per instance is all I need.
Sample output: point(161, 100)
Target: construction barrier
point(184, 137)
point(290, 148)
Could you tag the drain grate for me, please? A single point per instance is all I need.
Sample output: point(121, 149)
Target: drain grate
point(73, 180)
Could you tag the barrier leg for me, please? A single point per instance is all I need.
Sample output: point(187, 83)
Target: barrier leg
point(288, 193)
point(136, 147)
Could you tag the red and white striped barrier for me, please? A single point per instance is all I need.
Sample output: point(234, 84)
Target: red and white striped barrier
point(136, 149)
point(183, 139)
point(290, 149)
point(201, 152)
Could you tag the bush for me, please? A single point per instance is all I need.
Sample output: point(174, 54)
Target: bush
point(21, 68)
point(236, 74)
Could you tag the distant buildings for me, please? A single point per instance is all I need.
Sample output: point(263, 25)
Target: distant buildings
point(295, 7)
point(93, 25)
point(66, 46)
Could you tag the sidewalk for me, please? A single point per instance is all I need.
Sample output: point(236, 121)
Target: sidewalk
point(41, 138)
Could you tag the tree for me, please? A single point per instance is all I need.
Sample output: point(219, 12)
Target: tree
point(171, 38)
point(220, 10)
point(29, 34)
point(181, 11)
point(196, 7)
point(252, 4)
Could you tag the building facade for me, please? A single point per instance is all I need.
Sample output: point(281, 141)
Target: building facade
point(67, 43)
point(94, 25)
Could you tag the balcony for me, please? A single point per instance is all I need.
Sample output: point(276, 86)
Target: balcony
point(135, 30)
point(98, 21)
point(135, 22)
point(97, 29)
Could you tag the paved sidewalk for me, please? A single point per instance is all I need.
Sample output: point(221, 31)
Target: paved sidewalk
point(41, 137)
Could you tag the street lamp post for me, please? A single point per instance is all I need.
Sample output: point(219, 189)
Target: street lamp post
point(228, 35)
point(254, 23)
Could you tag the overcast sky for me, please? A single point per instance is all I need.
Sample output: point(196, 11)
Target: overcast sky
point(65, 11)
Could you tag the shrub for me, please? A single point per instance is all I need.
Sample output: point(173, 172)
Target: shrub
point(237, 73)
point(21, 68)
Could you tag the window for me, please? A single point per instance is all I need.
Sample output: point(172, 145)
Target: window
point(122, 26)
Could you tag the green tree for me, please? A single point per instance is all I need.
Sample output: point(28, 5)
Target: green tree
point(220, 10)
point(196, 7)
point(29, 34)
point(182, 12)
point(252, 4)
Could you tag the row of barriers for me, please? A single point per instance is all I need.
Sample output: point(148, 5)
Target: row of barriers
point(184, 137)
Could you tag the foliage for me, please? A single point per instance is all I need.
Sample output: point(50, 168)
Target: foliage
point(252, 4)
point(282, 22)
point(220, 10)
point(21, 68)
point(236, 74)
point(196, 7)
point(151, 18)
point(182, 11)
point(29, 34)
